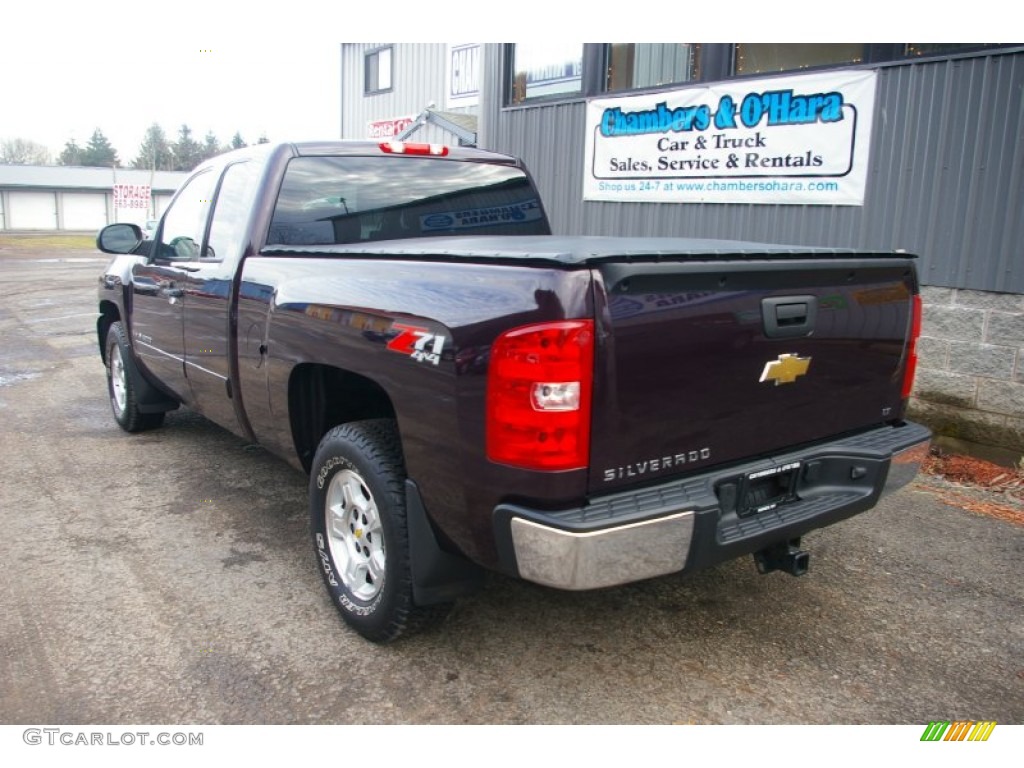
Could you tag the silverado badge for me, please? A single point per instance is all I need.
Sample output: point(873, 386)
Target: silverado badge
point(785, 369)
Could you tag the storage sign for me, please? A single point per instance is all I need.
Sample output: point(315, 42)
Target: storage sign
point(132, 196)
point(798, 140)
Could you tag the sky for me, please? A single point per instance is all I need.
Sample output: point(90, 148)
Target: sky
point(287, 91)
point(274, 69)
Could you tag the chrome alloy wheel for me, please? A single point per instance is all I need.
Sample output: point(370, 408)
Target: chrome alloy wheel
point(354, 535)
point(118, 382)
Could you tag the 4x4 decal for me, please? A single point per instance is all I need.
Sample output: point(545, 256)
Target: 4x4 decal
point(419, 343)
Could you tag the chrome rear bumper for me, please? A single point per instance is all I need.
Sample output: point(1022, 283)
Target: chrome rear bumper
point(602, 558)
point(687, 524)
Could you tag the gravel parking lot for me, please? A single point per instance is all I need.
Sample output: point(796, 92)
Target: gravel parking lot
point(168, 578)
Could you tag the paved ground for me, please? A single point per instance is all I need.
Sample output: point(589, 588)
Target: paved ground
point(167, 578)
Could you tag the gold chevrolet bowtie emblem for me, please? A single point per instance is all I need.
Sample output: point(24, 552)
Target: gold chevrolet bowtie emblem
point(785, 369)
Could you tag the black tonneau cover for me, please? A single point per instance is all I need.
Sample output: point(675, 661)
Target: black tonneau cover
point(570, 251)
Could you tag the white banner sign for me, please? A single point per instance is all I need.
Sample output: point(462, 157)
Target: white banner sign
point(797, 140)
point(132, 196)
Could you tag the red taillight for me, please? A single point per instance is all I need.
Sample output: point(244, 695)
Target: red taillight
point(915, 333)
point(539, 382)
point(411, 148)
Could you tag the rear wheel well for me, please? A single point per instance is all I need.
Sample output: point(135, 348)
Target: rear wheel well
point(320, 397)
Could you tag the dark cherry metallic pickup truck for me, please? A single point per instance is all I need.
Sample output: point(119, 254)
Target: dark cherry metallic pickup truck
point(468, 392)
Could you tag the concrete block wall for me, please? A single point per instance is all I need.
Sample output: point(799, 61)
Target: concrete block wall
point(970, 376)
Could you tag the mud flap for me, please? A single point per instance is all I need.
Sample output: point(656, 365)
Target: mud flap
point(437, 576)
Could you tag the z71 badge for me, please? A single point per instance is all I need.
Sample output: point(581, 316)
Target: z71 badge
point(419, 343)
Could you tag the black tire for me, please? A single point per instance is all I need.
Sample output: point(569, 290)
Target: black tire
point(123, 384)
point(360, 534)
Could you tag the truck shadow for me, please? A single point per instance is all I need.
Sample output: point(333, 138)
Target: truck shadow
point(722, 645)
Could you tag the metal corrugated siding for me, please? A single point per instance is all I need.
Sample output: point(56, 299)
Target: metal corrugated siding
point(417, 77)
point(946, 178)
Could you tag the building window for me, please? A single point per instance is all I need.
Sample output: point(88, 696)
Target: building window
point(546, 69)
point(752, 58)
point(378, 70)
point(648, 65)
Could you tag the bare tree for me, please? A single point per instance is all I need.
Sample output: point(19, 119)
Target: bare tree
point(23, 152)
point(72, 154)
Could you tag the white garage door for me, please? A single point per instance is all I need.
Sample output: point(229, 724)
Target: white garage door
point(83, 210)
point(32, 210)
point(162, 201)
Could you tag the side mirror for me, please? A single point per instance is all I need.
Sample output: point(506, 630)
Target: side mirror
point(119, 238)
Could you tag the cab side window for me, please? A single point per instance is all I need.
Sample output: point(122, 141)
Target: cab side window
point(185, 220)
point(231, 212)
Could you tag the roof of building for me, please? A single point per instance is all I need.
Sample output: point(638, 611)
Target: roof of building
point(461, 125)
point(75, 177)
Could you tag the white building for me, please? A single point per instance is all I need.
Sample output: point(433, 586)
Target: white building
point(420, 91)
point(56, 197)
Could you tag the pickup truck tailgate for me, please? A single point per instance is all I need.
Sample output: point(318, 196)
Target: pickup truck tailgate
point(706, 362)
